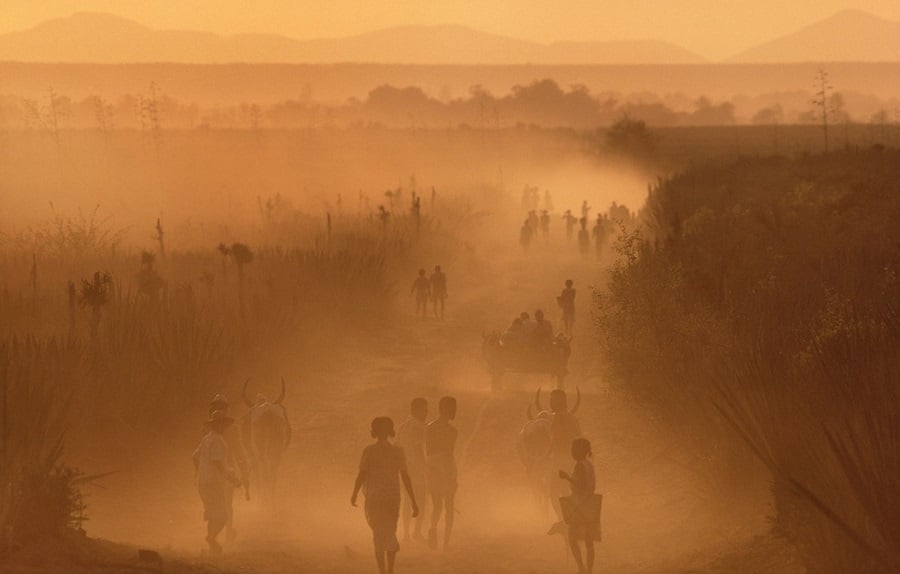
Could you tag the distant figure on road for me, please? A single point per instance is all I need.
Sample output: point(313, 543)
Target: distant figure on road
point(599, 234)
point(381, 469)
point(411, 438)
point(585, 210)
point(534, 221)
point(525, 235)
point(566, 301)
point(213, 477)
point(440, 442)
point(582, 508)
point(543, 331)
point(570, 220)
point(422, 289)
point(545, 226)
point(438, 290)
point(584, 240)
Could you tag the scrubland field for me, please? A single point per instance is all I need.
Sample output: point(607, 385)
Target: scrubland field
point(735, 343)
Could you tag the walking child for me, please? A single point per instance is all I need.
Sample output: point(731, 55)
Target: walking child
point(411, 438)
point(382, 467)
point(440, 442)
point(581, 510)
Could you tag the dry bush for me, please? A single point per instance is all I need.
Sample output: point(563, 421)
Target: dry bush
point(39, 495)
point(765, 300)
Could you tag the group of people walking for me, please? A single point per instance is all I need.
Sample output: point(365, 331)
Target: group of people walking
point(432, 290)
point(587, 237)
point(423, 460)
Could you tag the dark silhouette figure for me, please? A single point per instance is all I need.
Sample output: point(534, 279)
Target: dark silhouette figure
point(534, 221)
point(584, 239)
point(585, 210)
point(411, 438)
point(381, 469)
point(581, 509)
point(213, 476)
point(566, 301)
point(542, 337)
point(421, 287)
point(438, 291)
point(545, 226)
point(570, 220)
point(440, 442)
point(598, 233)
point(237, 459)
point(525, 235)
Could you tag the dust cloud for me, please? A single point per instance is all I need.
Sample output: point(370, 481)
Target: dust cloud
point(275, 192)
point(230, 284)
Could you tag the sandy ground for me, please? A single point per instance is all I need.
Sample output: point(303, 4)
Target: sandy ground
point(657, 517)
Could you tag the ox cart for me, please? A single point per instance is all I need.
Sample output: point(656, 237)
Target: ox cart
point(504, 357)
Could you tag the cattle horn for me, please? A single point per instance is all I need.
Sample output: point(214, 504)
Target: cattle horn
point(577, 400)
point(244, 394)
point(537, 400)
point(281, 396)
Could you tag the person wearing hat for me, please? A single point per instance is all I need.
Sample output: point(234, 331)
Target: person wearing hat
point(213, 476)
point(237, 459)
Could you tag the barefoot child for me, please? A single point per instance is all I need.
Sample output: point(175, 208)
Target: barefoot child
point(411, 438)
point(581, 510)
point(381, 469)
point(440, 442)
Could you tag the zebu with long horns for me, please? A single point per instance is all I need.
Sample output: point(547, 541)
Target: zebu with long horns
point(266, 433)
point(534, 446)
point(564, 428)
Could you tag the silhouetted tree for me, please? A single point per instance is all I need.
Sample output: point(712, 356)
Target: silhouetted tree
point(631, 137)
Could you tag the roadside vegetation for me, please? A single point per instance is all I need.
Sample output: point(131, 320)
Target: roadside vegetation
point(757, 308)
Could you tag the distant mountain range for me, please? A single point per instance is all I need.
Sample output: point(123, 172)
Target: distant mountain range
point(848, 36)
point(106, 38)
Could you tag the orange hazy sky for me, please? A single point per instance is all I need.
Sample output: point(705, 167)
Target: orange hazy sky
point(712, 28)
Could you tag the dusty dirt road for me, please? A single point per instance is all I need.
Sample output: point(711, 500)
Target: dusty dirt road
point(657, 515)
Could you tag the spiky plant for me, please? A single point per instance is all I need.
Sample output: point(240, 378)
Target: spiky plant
point(95, 294)
point(149, 281)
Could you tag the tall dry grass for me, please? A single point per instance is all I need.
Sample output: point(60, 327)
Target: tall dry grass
point(154, 338)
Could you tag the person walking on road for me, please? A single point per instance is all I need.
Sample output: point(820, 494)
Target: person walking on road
point(382, 467)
